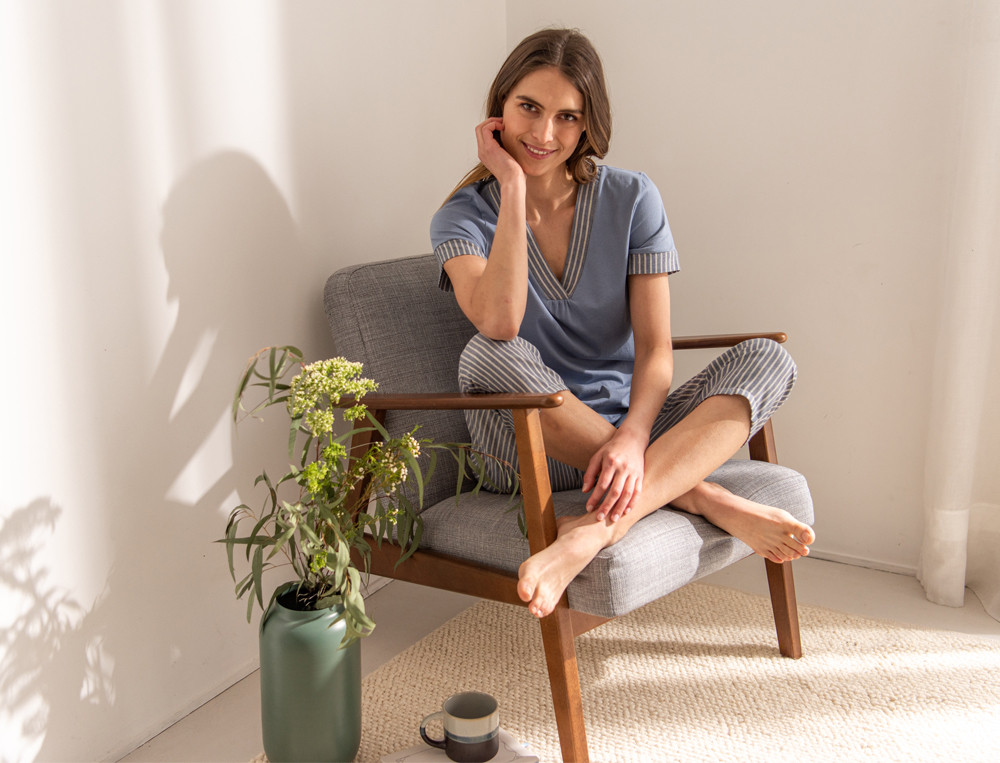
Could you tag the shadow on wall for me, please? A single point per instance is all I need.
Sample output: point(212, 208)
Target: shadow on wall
point(231, 252)
point(78, 674)
point(54, 672)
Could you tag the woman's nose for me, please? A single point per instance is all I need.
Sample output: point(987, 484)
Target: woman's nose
point(543, 130)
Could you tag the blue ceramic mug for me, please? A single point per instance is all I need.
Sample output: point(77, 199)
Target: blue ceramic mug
point(471, 727)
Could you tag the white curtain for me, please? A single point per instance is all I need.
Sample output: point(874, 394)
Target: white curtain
point(961, 543)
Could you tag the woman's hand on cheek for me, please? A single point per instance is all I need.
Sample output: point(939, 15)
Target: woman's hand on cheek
point(492, 154)
point(614, 476)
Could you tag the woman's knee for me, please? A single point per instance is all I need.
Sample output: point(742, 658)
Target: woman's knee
point(770, 362)
point(768, 377)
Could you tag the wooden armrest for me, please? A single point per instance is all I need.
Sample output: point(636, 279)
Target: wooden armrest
point(723, 340)
point(453, 401)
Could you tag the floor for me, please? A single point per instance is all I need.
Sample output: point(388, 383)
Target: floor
point(228, 727)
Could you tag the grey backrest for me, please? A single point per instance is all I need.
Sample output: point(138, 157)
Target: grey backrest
point(392, 317)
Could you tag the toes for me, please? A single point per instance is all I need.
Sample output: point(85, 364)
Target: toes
point(792, 546)
point(530, 591)
point(798, 543)
point(540, 609)
point(525, 589)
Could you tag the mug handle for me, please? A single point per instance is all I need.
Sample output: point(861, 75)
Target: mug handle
point(423, 730)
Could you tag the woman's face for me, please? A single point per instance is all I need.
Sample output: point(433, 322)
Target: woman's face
point(542, 121)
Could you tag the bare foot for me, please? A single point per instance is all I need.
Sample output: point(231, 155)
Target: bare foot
point(771, 532)
point(545, 575)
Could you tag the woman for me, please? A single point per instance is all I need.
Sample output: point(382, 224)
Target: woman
point(562, 267)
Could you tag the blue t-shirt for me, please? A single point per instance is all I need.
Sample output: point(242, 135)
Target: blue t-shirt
point(580, 324)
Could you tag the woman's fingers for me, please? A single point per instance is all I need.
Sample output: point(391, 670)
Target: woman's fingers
point(614, 476)
point(612, 492)
point(491, 152)
point(493, 123)
point(590, 478)
point(617, 498)
point(484, 135)
point(597, 479)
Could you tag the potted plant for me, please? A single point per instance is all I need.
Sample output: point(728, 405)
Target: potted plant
point(331, 503)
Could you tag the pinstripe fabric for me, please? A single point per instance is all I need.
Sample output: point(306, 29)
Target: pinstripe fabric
point(649, 263)
point(454, 248)
point(759, 370)
point(487, 365)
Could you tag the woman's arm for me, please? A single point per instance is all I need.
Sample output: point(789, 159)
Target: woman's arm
point(649, 303)
point(493, 293)
point(616, 471)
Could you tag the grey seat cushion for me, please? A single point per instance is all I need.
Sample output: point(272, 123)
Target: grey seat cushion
point(391, 317)
point(663, 552)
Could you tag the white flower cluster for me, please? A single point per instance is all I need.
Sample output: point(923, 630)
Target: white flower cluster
point(410, 443)
point(392, 464)
point(323, 383)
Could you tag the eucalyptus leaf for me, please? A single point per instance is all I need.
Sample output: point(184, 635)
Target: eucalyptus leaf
point(258, 571)
point(479, 467)
point(416, 473)
point(241, 389)
point(460, 456)
point(282, 539)
point(274, 370)
point(244, 585)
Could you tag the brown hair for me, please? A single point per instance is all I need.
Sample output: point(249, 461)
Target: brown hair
point(575, 57)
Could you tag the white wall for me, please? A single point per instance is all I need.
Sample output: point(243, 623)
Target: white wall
point(179, 178)
point(805, 154)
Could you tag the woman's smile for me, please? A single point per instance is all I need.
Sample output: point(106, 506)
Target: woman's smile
point(541, 153)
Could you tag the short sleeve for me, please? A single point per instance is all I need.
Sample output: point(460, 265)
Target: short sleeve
point(460, 227)
point(651, 244)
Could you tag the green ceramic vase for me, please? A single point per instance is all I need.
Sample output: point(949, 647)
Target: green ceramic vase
point(310, 688)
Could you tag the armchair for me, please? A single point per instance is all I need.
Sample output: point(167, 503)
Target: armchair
point(409, 335)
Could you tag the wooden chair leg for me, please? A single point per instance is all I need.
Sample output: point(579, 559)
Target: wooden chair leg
point(786, 611)
point(557, 628)
point(779, 576)
point(564, 681)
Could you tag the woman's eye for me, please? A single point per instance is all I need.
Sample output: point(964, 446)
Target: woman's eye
point(528, 107)
point(569, 117)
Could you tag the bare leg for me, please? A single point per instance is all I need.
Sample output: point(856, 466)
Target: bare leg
point(676, 466)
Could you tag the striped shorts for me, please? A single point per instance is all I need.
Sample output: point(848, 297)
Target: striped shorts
point(759, 370)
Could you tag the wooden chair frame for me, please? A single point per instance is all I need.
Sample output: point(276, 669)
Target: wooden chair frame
point(561, 627)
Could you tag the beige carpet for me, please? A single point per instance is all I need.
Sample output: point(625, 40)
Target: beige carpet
point(697, 677)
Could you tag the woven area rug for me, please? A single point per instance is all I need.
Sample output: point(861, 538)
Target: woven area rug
point(696, 676)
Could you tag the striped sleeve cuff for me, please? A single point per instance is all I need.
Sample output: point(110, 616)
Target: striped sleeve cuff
point(648, 263)
point(455, 247)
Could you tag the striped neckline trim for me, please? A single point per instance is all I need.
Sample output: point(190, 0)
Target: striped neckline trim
point(579, 240)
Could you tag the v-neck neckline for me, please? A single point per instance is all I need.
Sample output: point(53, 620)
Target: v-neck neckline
point(579, 239)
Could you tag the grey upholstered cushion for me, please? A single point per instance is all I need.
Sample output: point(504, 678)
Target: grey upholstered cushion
point(391, 317)
point(663, 552)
